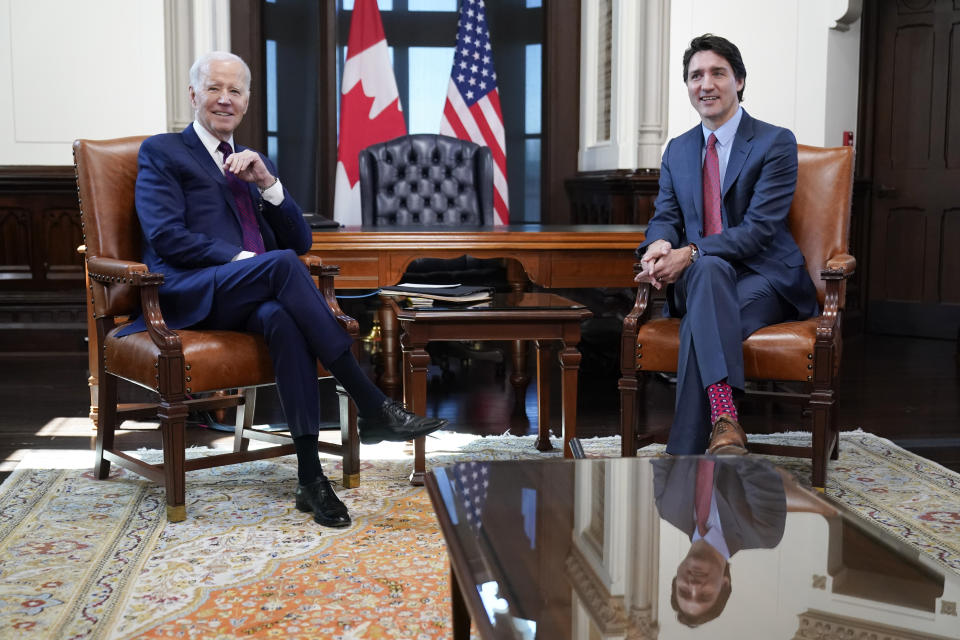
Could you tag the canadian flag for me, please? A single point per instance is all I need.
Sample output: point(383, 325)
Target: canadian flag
point(369, 105)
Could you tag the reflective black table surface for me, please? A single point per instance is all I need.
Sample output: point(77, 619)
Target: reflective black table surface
point(686, 547)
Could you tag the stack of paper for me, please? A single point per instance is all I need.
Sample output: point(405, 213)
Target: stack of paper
point(444, 292)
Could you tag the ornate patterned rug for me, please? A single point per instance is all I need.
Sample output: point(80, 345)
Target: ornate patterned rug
point(81, 558)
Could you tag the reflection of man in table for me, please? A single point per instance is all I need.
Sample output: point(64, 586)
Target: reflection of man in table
point(724, 505)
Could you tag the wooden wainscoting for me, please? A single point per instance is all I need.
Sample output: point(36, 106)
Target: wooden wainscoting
point(622, 196)
point(41, 273)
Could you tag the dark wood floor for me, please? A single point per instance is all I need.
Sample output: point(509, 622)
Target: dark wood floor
point(904, 389)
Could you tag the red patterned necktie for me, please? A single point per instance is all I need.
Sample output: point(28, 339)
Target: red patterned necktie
point(704, 492)
point(252, 240)
point(712, 218)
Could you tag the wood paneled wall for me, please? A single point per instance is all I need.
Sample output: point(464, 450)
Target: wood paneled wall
point(41, 273)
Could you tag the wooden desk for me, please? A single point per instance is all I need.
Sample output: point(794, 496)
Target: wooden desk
point(558, 257)
point(551, 256)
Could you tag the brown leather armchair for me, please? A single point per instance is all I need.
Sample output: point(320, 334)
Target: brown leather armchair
point(176, 365)
point(807, 352)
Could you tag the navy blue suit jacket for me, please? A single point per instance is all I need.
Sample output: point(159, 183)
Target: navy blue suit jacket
point(757, 191)
point(191, 224)
point(750, 499)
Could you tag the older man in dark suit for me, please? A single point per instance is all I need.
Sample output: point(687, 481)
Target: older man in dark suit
point(219, 225)
point(719, 240)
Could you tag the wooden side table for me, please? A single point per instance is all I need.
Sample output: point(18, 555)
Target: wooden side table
point(552, 321)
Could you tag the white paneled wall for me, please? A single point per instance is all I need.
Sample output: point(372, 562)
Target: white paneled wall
point(78, 69)
point(801, 74)
point(96, 69)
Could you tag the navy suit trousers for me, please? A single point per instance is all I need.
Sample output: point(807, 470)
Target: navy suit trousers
point(720, 306)
point(274, 294)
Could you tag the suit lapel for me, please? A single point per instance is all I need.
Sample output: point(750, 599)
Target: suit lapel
point(738, 152)
point(203, 158)
point(693, 164)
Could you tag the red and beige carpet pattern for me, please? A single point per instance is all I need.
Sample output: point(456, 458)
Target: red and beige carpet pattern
point(81, 558)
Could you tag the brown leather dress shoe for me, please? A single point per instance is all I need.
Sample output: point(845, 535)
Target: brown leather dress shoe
point(727, 438)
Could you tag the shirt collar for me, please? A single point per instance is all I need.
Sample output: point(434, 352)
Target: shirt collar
point(726, 131)
point(210, 141)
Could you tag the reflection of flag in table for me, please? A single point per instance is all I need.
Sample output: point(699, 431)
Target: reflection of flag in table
point(369, 105)
point(472, 480)
point(472, 111)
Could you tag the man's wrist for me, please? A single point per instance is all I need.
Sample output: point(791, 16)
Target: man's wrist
point(269, 183)
point(694, 253)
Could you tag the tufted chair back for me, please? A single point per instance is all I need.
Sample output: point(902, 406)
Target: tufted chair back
point(426, 180)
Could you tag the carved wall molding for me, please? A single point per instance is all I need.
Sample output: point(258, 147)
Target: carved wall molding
point(191, 28)
point(819, 625)
point(851, 15)
point(636, 96)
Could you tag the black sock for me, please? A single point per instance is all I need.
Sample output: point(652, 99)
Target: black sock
point(367, 395)
point(308, 459)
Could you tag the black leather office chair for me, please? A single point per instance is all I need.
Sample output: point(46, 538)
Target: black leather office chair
point(430, 181)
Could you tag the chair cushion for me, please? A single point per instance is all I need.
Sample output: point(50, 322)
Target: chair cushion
point(134, 357)
point(779, 352)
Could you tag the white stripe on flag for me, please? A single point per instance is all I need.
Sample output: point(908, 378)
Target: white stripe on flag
point(500, 182)
point(493, 121)
point(463, 112)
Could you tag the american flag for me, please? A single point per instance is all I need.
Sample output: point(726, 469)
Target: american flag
point(472, 111)
point(472, 480)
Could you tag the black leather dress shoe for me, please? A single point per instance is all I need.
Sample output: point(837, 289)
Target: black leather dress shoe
point(396, 424)
point(318, 497)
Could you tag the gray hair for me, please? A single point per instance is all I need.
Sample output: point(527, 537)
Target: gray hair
point(201, 67)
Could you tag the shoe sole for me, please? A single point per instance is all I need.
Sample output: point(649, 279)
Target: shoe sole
point(333, 525)
point(377, 437)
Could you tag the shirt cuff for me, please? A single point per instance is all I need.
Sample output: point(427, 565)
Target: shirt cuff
point(243, 255)
point(274, 193)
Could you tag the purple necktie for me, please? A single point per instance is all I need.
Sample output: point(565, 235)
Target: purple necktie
point(252, 240)
point(712, 217)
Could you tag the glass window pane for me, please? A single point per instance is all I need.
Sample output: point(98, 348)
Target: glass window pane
point(531, 180)
point(383, 5)
point(429, 76)
point(272, 150)
point(533, 4)
point(432, 5)
point(271, 85)
point(533, 88)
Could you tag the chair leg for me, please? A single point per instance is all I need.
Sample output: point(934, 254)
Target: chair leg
point(245, 412)
point(106, 425)
point(628, 414)
point(173, 419)
point(824, 435)
point(349, 440)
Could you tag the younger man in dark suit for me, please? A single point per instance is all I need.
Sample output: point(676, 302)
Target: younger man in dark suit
point(219, 225)
point(719, 240)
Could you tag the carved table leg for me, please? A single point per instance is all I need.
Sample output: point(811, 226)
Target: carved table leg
point(519, 378)
point(545, 351)
point(570, 364)
point(415, 361)
point(389, 342)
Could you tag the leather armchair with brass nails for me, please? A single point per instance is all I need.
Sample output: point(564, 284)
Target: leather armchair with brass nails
point(805, 352)
point(176, 366)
